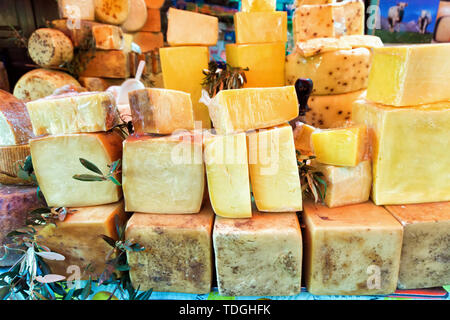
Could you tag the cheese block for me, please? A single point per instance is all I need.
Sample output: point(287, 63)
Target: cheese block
point(238, 110)
point(191, 28)
point(73, 113)
point(15, 205)
point(228, 177)
point(298, 3)
point(365, 41)
point(351, 250)
point(153, 22)
point(112, 11)
point(40, 83)
point(258, 5)
point(302, 138)
point(426, 241)
point(346, 185)
point(50, 48)
point(137, 16)
point(273, 170)
point(187, 78)
point(161, 111)
point(99, 84)
point(354, 17)
point(148, 41)
point(10, 159)
point(163, 175)
point(108, 64)
point(107, 37)
point(410, 164)
point(335, 72)
point(56, 159)
point(154, 4)
point(410, 75)
point(261, 256)
point(78, 239)
point(260, 27)
point(77, 9)
point(178, 252)
point(340, 146)
point(265, 62)
point(15, 125)
point(332, 111)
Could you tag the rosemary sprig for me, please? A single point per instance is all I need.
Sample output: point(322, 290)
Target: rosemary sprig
point(311, 179)
point(19, 39)
point(114, 169)
point(222, 76)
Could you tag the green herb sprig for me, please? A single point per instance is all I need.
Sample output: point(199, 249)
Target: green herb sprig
point(114, 169)
point(222, 76)
point(311, 179)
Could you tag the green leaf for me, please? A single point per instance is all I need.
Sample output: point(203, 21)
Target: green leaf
point(145, 295)
point(90, 166)
point(124, 267)
point(4, 292)
point(87, 290)
point(69, 294)
point(115, 181)
point(109, 240)
point(88, 177)
point(115, 165)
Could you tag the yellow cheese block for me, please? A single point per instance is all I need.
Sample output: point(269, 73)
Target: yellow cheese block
point(191, 28)
point(354, 17)
point(56, 161)
point(410, 161)
point(302, 138)
point(332, 111)
point(424, 261)
point(178, 252)
point(252, 108)
point(258, 5)
point(341, 146)
point(228, 177)
point(161, 111)
point(108, 64)
point(410, 75)
point(273, 170)
point(77, 9)
point(335, 72)
point(346, 185)
point(265, 62)
point(163, 175)
point(261, 256)
point(260, 27)
point(351, 250)
point(182, 69)
point(78, 239)
point(73, 113)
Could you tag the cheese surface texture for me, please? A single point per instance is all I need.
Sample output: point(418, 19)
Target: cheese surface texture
point(98, 84)
point(153, 22)
point(273, 170)
point(50, 48)
point(148, 41)
point(178, 251)
point(137, 17)
point(10, 158)
point(260, 27)
point(77, 9)
point(265, 62)
point(410, 75)
point(354, 17)
point(351, 250)
point(108, 64)
point(112, 11)
point(258, 256)
point(228, 177)
point(252, 108)
point(163, 175)
point(426, 242)
point(302, 138)
point(107, 37)
point(410, 164)
point(258, 5)
point(56, 160)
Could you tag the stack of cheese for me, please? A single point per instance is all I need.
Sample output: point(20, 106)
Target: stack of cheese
point(332, 50)
point(261, 35)
point(149, 36)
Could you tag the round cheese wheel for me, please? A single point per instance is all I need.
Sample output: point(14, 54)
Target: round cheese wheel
point(10, 157)
point(137, 16)
point(112, 11)
point(50, 47)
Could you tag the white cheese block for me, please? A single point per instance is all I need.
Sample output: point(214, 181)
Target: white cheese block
point(77, 9)
point(137, 17)
point(50, 48)
point(112, 11)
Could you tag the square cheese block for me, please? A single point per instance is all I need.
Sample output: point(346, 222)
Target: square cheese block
point(410, 161)
point(351, 250)
point(161, 111)
point(182, 69)
point(163, 175)
point(265, 62)
point(426, 241)
point(108, 64)
point(410, 75)
point(178, 252)
point(260, 27)
point(261, 256)
point(273, 170)
point(77, 9)
point(252, 108)
point(191, 28)
point(258, 5)
point(302, 138)
point(73, 113)
point(346, 185)
point(153, 23)
point(107, 37)
point(78, 239)
point(228, 178)
point(56, 161)
point(354, 17)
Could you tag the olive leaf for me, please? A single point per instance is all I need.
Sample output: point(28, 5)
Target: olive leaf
point(114, 169)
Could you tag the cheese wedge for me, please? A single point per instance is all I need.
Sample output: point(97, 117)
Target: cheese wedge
point(108, 64)
point(302, 138)
point(56, 159)
point(137, 17)
point(258, 5)
point(77, 9)
point(260, 27)
point(351, 250)
point(178, 251)
point(50, 48)
point(240, 110)
point(273, 170)
point(112, 11)
point(153, 22)
point(261, 256)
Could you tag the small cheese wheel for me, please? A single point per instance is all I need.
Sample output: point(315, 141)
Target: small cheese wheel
point(10, 157)
point(137, 16)
point(112, 11)
point(50, 48)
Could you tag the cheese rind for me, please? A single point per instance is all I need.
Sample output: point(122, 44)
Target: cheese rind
point(148, 41)
point(238, 110)
point(112, 11)
point(351, 250)
point(153, 22)
point(50, 48)
point(10, 158)
point(178, 252)
point(258, 256)
point(77, 9)
point(108, 64)
point(137, 17)
point(260, 27)
point(258, 5)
